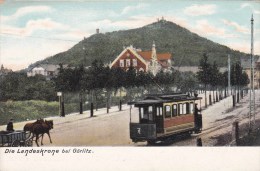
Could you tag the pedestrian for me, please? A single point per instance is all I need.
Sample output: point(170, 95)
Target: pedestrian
point(197, 121)
point(10, 126)
point(196, 109)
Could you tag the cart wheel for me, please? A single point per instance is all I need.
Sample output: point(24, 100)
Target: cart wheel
point(15, 143)
point(29, 143)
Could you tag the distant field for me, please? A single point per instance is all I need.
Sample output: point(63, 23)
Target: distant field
point(31, 109)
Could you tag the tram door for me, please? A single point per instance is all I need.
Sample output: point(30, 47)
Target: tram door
point(146, 114)
point(159, 119)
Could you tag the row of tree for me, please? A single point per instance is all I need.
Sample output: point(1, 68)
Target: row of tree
point(211, 77)
point(93, 81)
point(99, 80)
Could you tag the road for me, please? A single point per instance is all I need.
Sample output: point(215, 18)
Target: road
point(113, 129)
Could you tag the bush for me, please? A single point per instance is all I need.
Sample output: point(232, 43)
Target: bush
point(30, 109)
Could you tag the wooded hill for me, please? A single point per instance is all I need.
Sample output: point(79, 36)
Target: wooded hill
point(187, 48)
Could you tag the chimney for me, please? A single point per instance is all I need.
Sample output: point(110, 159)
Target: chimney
point(97, 30)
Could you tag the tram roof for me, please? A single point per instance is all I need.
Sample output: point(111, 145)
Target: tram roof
point(164, 98)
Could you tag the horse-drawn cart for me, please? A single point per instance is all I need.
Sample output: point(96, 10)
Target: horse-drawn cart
point(15, 139)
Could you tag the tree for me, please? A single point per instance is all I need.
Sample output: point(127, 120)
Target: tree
point(186, 81)
point(223, 81)
point(204, 73)
point(93, 79)
point(214, 77)
point(17, 86)
point(164, 80)
point(130, 81)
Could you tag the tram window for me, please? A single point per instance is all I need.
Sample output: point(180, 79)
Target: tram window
point(159, 111)
point(174, 110)
point(150, 113)
point(180, 109)
point(191, 107)
point(145, 113)
point(188, 108)
point(150, 109)
point(167, 111)
point(184, 108)
point(141, 112)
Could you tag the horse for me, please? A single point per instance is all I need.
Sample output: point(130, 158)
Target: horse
point(29, 126)
point(42, 128)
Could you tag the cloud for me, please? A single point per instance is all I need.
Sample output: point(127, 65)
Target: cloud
point(72, 35)
point(241, 29)
point(30, 51)
point(32, 26)
point(244, 5)
point(198, 10)
point(245, 46)
point(256, 12)
point(204, 28)
point(25, 11)
point(129, 9)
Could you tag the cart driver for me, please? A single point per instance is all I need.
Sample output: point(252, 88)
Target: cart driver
point(10, 126)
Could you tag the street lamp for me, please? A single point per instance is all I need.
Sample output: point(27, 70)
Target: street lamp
point(59, 94)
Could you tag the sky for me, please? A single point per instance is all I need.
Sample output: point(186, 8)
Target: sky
point(33, 30)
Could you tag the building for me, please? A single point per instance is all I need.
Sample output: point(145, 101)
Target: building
point(147, 61)
point(4, 71)
point(47, 70)
point(246, 63)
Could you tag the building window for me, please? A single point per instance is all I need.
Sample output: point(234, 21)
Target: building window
point(121, 63)
point(128, 62)
point(134, 62)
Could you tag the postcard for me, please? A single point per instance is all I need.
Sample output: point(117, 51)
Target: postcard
point(129, 85)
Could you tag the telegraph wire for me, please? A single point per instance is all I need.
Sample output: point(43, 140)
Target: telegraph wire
point(39, 37)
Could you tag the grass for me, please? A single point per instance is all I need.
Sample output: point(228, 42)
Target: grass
point(31, 109)
point(35, 109)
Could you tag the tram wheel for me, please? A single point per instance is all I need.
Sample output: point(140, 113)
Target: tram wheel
point(15, 143)
point(151, 142)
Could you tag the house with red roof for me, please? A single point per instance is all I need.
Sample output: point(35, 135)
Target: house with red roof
point(146, 61)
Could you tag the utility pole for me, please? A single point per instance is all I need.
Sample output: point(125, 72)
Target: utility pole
point(229, 85)
point(252, 78)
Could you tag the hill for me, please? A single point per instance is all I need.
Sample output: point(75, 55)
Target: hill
point(186, 47)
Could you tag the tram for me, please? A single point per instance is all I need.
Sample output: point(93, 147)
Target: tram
point(161, 116)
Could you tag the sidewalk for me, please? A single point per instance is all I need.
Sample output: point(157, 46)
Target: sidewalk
point(102, 112)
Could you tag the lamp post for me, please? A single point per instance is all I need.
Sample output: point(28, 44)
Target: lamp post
point(80, 103)
point(59, 94)
point(91, 93)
